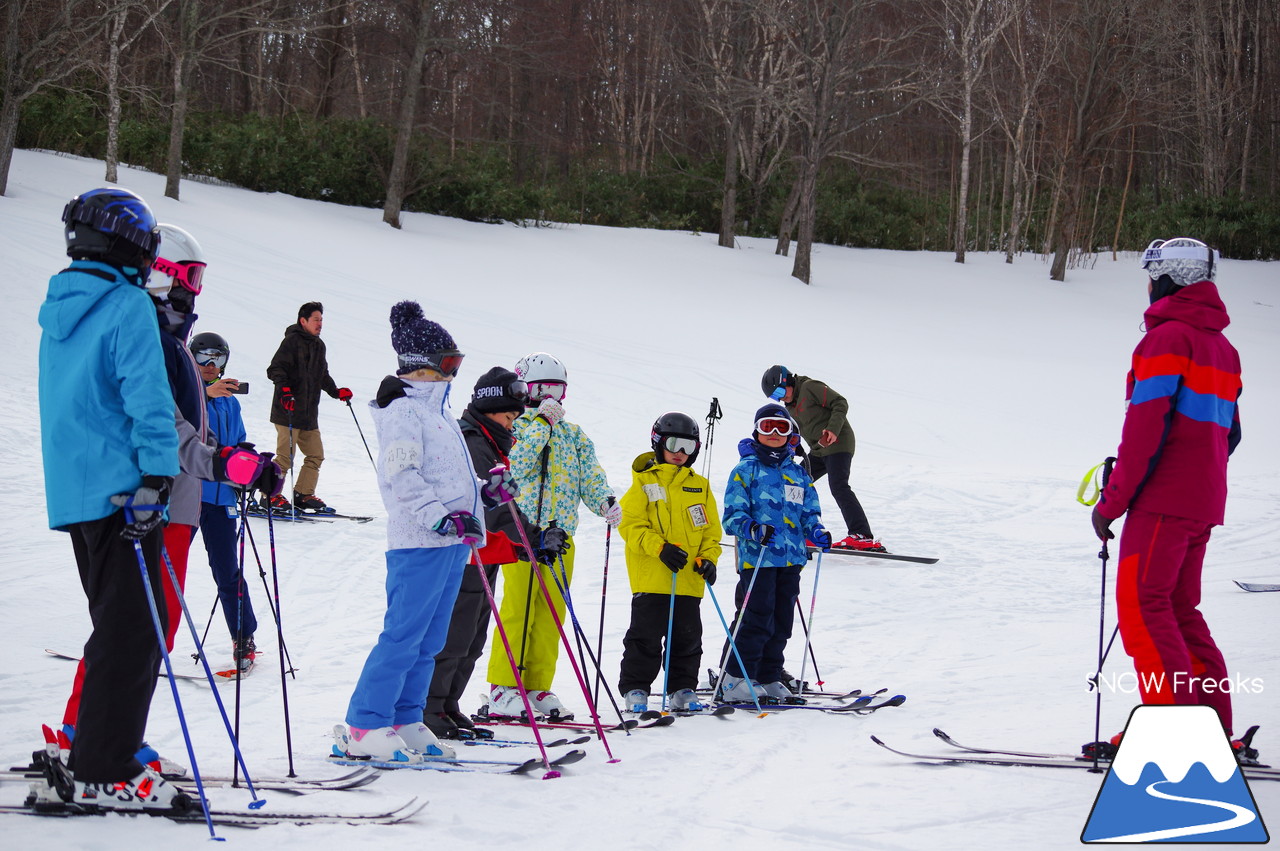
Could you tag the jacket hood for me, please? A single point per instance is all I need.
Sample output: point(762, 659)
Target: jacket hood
point(1198, 305)
point(644, 461)
point(302, 333)
point(73, 293)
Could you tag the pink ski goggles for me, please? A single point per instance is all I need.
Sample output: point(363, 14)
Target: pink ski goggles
point(187, 273)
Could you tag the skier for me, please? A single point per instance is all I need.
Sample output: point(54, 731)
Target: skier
point(176, 279)
point(1170, 479)
point(433, 500)
point(108, 441)
point(555, 464)
point(771, 506)
point(821, 415)
point(669, 521)
point(498, 398)
point(299, 370)
point(218, 501)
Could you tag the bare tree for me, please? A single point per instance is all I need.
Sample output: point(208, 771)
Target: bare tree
point(44, 43)
point(117, 45)
point(424, 33)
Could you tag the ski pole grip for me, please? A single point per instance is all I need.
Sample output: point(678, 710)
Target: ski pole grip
point(1106, 470)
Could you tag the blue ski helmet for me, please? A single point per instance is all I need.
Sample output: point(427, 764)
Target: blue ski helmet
point(112, 225)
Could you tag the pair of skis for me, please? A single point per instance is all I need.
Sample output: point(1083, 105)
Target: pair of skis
point(999, 756)
point(849, 551)
point(290, 515)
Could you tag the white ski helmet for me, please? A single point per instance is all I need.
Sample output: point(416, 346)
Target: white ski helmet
point(1185, 260)
point(179, 261)
point(541, 367)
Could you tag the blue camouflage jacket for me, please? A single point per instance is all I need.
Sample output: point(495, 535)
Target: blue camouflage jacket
point(781, 496)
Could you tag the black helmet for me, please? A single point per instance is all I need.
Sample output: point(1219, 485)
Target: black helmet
point(112, 225)
point(676, 424)
point(211, 346)
point(774, 378)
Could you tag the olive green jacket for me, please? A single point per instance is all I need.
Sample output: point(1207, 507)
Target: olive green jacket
point(815, 407)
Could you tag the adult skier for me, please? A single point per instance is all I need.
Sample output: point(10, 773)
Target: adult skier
point(300, 370)
point(1170, 479)
point(108, 442)
point(822, 416)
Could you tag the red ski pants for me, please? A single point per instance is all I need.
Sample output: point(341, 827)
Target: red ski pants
point(1157, 593)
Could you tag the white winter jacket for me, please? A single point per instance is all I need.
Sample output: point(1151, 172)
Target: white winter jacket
point(424, 468)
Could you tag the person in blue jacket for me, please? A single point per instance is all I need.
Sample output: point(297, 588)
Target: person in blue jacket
point(218, 501)
point(109, 443)
point(771, 506)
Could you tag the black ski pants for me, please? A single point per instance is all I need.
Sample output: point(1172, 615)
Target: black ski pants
point(468, 634)
point(836, 467)
point(122, 655)
point(642, 646)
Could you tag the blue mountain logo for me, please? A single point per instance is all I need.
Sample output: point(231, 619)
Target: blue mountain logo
point(1174, 779)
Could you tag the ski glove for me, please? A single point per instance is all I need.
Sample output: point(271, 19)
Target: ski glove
point(286, 399)
point(706, 568)
point(555, 543)
point(152, 493)
point(500, 488)
point(673, 557)
point(344, 394)
point(761, 533)
point(462, 524)
point(551, 411)
point(1102, 526)
point(821, 538)
point(611, 512)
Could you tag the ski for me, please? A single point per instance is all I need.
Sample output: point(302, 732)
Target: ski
point(845, 551)
point(200, 678)
point(483, 766)
point(285, 516)
point(226, 818)
point(521, 743)
point(652, 718)
point(352, 780)
point(983, 757)
point(792, 683)
point(1257, 586)
point(862, 706)
point(723, 710)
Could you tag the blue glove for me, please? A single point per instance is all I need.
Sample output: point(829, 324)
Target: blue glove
point(761, 533)
point(820, 537)
point(463, 524)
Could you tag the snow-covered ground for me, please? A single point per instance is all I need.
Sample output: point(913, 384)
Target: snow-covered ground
point(979, 393)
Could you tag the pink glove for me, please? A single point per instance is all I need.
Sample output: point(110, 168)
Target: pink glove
point(551, 411)
point(611, 511)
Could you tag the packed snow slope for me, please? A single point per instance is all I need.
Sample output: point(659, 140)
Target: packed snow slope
point(980, 394)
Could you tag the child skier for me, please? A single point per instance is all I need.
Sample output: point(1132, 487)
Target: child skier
point(433, 500)
point(771, 506)
point(669, 522)
point(555, 463)
point(498, 398)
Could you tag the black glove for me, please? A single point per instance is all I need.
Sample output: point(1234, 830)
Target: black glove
point(706, 569)
point(555, 543)
point(1102, 526)
point(153, 491)
point(761, 533)
point(673, 557)
point(462, 524)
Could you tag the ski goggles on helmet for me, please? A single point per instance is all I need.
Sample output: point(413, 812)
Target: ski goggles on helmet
point(446, 363)
point(687, 445)
point(1159, 250)
point(773, 425)
point(539, 390)
point(188, 274)
point(217, 357)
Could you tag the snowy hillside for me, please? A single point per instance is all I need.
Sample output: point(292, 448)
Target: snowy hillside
point(979, 394)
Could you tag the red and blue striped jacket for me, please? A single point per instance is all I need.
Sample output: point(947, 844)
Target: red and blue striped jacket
point(1182, 420)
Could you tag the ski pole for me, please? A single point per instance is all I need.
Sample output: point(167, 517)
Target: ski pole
point(262, 574)
point(511, 657)
point(666, 655)
point(208, 623)
point(733, 638)
point(362, 440)
point(1103, 555)
point(813, 601)
point(168, 665)
point(217, 698)
point(816, 674)
point(564, 639)
point(604, 588)
point(284, 688)
point(733, 647)
point(580, 634)
point(533, 557)
point(712, 415)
